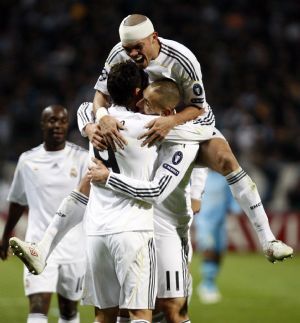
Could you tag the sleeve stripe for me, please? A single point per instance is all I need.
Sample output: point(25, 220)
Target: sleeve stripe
point(114, 53)
point(209, 119)
point(140, 192)
point(83, 114)
point(79, 197)
point(152, 276)
point(183, 60)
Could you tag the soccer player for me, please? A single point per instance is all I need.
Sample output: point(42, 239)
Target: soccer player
point(179, 158)
point(43, 175)
point(121, 219)
point(172, 213)
point(160, 57)
point(210, 230)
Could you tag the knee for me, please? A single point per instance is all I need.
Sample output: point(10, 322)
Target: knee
point(68, 310)
point(226, 162)
point(39, 303)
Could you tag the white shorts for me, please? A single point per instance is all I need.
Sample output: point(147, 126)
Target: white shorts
point(172, 266)
point(64, 279)
point(121, 271)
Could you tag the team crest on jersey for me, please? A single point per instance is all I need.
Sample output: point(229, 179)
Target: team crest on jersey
point(103, 75)
point(73, 172)
point(171, 169)
point(177, 157)
point(197, 89)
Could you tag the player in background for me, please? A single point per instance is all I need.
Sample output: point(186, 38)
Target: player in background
point(43, 175)
point(210, 228)
point(160, 57)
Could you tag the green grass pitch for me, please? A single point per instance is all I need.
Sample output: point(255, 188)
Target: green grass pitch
point(254, 291)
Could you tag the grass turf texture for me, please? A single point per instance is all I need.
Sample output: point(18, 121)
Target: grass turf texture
point(254, 291)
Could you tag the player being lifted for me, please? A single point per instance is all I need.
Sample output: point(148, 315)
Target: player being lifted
point(160, 58)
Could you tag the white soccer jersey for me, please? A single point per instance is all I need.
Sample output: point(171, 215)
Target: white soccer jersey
point(198, 179)
point(109, 212)
point(174, 61)
point(172, 176)
point(41, 180)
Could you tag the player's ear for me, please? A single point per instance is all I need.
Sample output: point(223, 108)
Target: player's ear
point(138, 94)
point(166, 112)
point(154, 36)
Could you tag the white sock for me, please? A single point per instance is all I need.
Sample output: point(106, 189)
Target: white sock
point(37, 318)
point(69, 214)
point(76, 319)
point(139, 321)
point(245, 192)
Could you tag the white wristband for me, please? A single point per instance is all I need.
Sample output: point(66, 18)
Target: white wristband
point(101, 112)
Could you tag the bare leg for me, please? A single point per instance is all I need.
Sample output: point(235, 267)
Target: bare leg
point(217, 155)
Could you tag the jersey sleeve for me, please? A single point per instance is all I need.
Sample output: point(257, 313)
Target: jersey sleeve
point(192, 132)
point(189, 73)
point(85, 115)
point(198, 179)
point(17, 189)
point(175, 163)
point(116, 55)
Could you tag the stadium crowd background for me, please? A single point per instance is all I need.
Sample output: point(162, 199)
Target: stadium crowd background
point(53, 51)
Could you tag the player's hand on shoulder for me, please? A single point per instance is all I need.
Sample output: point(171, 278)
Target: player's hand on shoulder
point(110, 129)
point(95, 136)
point(158, 130)
point(97, 172)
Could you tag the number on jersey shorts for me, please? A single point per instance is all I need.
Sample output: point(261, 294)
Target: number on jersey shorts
point(65, 279)
point(121, 271)
point(172, 266)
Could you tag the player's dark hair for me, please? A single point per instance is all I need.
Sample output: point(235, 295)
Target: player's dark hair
point(123, 79)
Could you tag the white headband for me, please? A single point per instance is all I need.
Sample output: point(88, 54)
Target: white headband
point(133, 33)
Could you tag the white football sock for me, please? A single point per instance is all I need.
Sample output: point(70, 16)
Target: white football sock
point(245, 192)
point(37, 318)
point(69, 214)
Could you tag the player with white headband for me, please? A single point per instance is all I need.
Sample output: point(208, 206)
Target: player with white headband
point(160, 58)
point(134, 33)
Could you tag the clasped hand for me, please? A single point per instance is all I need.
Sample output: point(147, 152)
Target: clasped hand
point(110, 135)
point(97, 172)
